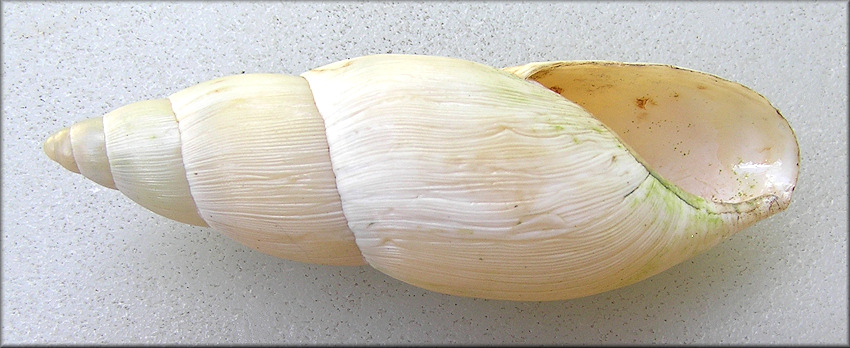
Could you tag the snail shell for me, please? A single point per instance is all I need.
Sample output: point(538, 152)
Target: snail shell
point(546, 181)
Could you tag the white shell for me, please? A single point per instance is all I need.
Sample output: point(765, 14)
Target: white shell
point(455, 176)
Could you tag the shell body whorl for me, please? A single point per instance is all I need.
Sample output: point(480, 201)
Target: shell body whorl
point(455, 176)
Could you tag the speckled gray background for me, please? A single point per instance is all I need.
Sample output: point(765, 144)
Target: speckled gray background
point(82, 264)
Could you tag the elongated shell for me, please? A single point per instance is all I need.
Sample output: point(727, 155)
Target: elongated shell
point(454, 176)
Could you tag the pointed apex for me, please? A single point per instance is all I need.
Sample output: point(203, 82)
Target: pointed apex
point(58, 148)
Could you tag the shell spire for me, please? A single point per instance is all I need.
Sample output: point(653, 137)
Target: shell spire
point(58, 148)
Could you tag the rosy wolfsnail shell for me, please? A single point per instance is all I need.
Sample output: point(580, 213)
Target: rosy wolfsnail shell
point(546, 181)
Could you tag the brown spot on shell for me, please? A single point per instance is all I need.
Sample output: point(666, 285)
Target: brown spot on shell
point(641, 102)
